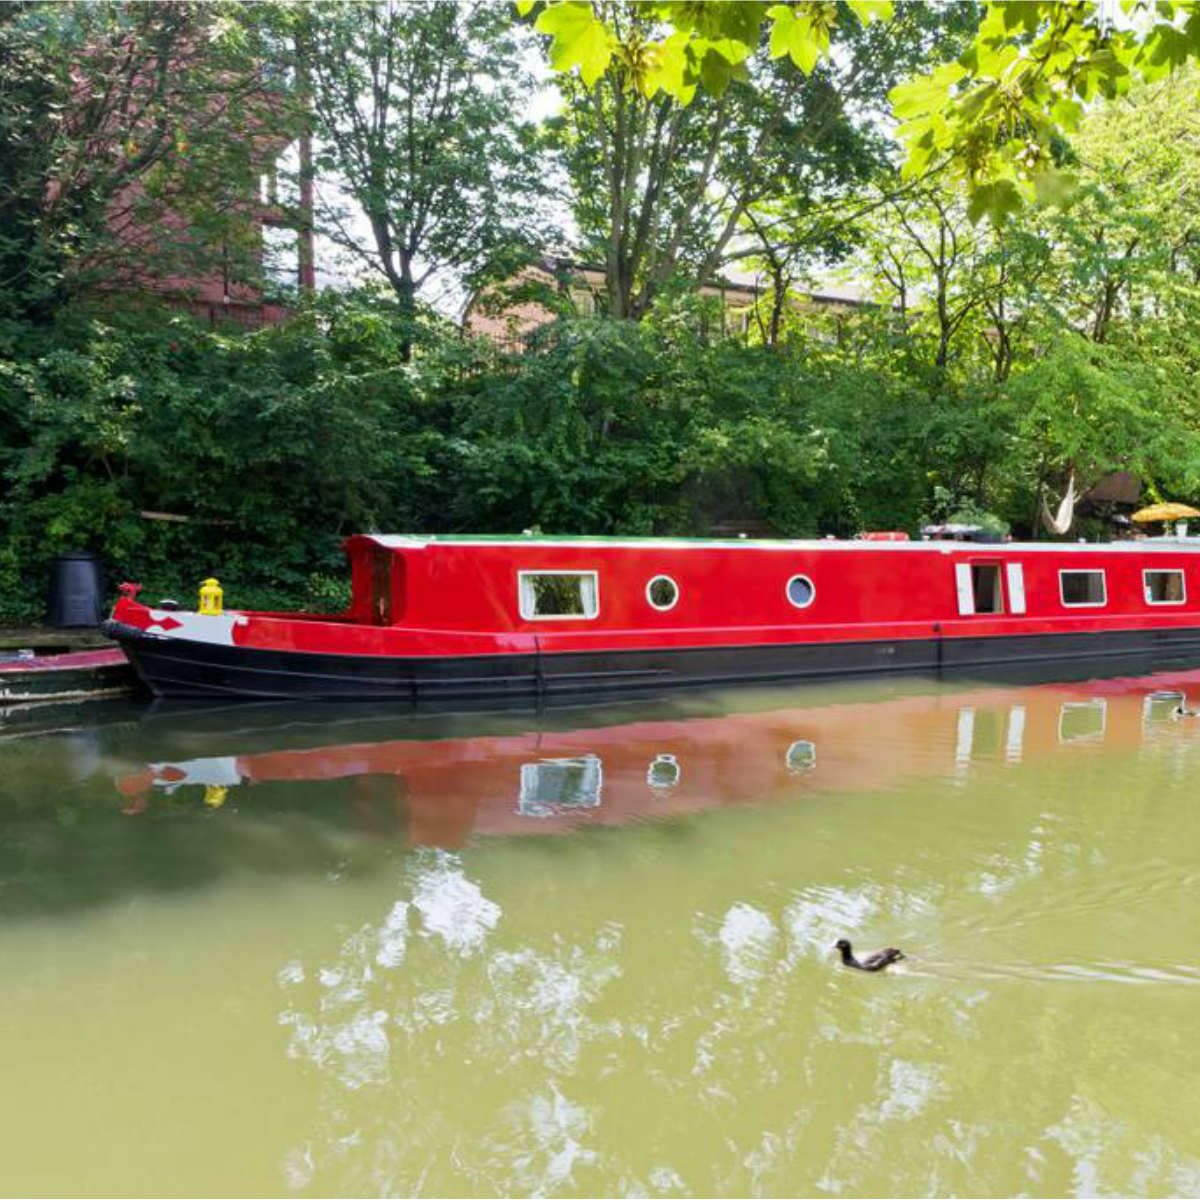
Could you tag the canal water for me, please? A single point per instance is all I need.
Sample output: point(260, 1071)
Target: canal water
point(313, 951)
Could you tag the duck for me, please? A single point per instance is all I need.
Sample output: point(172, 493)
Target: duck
point(872, 962)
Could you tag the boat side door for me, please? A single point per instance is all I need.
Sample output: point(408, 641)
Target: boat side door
point(381, 587)
point(982, 585)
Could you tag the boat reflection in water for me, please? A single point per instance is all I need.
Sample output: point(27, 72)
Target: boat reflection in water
point(445, 790)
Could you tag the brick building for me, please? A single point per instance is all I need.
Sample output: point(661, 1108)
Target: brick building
point(508, 314)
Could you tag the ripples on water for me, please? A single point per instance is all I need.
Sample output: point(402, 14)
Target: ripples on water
point(319, 951)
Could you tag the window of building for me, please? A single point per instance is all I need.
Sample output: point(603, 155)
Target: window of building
point(662, 592)
point(1082, 589)
point(585, 302)
point(800, 591)
point(281, 255)
point(986, 590)
point(1164, 587)
point(558, 785)
point(558, 595)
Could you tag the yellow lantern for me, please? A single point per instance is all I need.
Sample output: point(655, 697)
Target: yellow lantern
point(211, 597)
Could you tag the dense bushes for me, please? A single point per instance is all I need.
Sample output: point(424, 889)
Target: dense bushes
point(273, 444)
point(277, 443)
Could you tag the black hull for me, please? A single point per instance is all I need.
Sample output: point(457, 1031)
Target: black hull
point(174, 668)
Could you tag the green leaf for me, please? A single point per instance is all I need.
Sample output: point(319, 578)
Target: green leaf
point(997, 200)
point(579, 39)
point(525, 7)
point(1066, 113)
point(1167, 46)
point(1054, 187)
point(872, 10)
point(674, 70)
point(782, 18)
point(925, 93)
point(716, 72)
point(922, 145)
point(793, 34)
point(1022, 14)
point(716, 19)
point(730, 49)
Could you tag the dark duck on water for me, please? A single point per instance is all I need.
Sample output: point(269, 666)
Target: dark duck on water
point(872, 962)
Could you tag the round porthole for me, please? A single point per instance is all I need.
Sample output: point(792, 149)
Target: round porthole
point(800, 591)
point(801, 756)
point(664, 772)
point(662, 592)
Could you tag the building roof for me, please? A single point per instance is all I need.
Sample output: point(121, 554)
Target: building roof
point(733, 279)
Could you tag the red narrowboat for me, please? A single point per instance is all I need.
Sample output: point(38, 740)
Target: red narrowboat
point(517, 618)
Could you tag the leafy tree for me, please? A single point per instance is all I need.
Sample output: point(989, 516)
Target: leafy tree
point(990, 117)
point(116, 122)
point(418, 111)
point(268, 446)
point(927, 254)
point(1084, 409)
point(662, 189)
point(845, 172)
point(993, 115)
point(1130, 235)
point(1005, 356)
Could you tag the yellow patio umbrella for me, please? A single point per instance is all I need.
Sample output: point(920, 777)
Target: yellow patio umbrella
point(1165, 512)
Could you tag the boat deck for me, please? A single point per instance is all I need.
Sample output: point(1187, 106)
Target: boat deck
point(73, 675)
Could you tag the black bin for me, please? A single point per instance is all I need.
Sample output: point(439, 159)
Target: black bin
point(76, 592)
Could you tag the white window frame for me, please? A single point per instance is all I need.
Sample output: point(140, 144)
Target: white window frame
point(524, 593)
point(1014, 576)
point(591, 786)
point(660, 607)
point(1083, 571)
point(812, 591)
point(1164, 571)
point(1095, 735)
point(1153, 700)
point(964, 587)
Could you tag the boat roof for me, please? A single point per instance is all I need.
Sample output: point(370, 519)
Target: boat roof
point(409, 541)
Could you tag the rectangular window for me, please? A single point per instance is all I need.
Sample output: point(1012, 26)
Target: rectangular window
point(1162, 706)
point(980, 590)
point(985, 589)
point(1082, 722)
point(556, 785)
point(1082, 589)
point(558, 595)
point(1164, 587)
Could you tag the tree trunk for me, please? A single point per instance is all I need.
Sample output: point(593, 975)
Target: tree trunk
point(778, 302)
point(406, 293)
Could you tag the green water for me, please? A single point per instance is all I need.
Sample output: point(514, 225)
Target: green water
point(308, 952)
